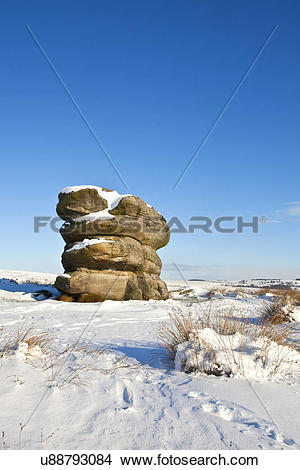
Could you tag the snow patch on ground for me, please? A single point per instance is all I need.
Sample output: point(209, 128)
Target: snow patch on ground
point(148, 405)
point(238, 355)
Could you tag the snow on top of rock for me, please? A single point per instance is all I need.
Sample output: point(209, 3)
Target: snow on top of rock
point(71, 189)
point(100, 215)
point(86, 242)
point(112, 197)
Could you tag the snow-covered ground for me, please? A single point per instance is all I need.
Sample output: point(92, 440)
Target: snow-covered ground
point(59, 396)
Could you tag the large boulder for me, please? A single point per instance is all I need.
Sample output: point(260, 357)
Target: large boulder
point(113, 285)
point(109, 252)
point(152, 231)
point(76, 202)
point(73, 204)
point(121, 253)
point(110, 245)
point(134, 206)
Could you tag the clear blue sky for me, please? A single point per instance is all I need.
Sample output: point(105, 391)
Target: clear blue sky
point(151, 77)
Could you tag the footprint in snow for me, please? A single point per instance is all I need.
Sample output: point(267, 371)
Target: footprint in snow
point(124, 396)
point(127, 397)
point(233, 412)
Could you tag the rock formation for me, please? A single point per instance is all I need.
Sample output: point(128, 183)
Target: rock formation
point(111, 242)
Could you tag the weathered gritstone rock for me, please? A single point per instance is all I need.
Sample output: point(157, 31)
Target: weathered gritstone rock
point(121, 253)
point(152, 262)
point(79, 203)
point(110, 245)
point(85, 200)
point(148, 231)
point(113, 285)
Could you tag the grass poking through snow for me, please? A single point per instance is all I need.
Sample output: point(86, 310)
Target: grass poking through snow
point(221, 344)
point(69, 366)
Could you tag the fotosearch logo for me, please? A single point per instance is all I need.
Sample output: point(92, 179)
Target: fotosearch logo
point(222, 224)
point(202, 224)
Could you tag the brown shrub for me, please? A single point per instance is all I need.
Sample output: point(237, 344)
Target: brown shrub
point(186, 291)
point(41, 340)
point(215, 291)
point(182, 327)
point(10, 341)
point(286, 294)
point(278, 312)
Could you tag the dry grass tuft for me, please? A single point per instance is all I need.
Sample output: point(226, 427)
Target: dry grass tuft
point(9, 342)
point(278, 312)
point(32, 342)
point(176, 331)
point(214, 291)
point(62, 370)
point(70, 365)
point(185, 291)
point(287, 295)
point(40, 341)
point(185, 328)
point(243, 292)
